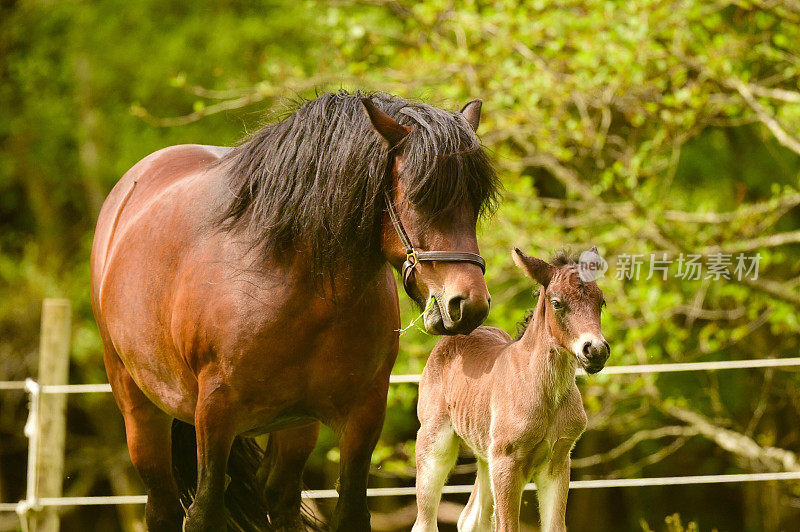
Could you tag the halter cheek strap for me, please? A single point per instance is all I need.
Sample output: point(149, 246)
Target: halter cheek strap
point(414, 257)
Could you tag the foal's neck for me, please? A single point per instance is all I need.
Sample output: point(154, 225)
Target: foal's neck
point(548, 364)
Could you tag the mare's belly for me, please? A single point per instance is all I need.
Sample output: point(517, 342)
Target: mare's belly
point(280, 422)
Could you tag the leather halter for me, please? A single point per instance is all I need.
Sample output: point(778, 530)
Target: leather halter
point(414, 257)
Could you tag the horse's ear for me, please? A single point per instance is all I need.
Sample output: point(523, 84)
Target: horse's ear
point(386, 126)
point(537, 269)
point(472, 112)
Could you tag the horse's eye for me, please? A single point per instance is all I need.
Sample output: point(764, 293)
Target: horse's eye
point(556, 304)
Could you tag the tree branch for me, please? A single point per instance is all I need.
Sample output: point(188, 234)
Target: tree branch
point(778, 239)
point(227, 105)
point(784, 138)
point(783, 291)
point(775, 94)
point(770, 458)
point(633, 441)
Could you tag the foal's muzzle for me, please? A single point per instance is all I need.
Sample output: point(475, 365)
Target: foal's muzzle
point(592, 351)
point(596, 352)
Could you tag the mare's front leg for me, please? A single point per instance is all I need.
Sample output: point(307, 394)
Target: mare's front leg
point(552, 488)
point(215, 434)
point(281, 474)
point(357, 438)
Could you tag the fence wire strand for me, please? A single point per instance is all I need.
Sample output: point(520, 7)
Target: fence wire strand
point(34, 389)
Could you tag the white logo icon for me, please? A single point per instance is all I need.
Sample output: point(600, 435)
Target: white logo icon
point(591, 266)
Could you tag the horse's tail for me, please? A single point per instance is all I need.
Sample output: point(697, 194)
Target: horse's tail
point(244, 503)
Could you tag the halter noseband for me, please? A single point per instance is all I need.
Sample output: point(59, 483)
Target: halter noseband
point(414, 257)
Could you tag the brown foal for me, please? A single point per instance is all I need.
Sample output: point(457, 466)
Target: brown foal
point(514, 403)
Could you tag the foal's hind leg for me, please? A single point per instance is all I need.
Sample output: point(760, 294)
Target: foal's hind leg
point(477, 516)
point(281, 474)
point(437, 450)
point(215, 434)
point(149, 433)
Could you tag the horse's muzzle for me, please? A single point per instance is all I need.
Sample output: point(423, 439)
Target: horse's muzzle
point(456, 314)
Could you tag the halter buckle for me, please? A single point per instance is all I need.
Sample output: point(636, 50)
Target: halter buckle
point(412, 258)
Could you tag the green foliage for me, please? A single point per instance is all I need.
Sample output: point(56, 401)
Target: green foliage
point(674, 524)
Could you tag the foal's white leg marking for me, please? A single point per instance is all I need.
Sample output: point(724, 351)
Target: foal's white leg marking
point(477, 516)
point(437, 450)
point(508, 480)
point(552, 488)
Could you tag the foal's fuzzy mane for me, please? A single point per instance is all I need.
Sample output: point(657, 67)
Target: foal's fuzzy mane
point(563, 257)
point(315, 179)
point(559, 259)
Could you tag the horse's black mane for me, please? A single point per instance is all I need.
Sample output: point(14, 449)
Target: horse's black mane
point(316, 178)
point(559, 259)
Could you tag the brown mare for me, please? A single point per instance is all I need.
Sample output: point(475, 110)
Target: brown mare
point(250, 290)
point(514, 403)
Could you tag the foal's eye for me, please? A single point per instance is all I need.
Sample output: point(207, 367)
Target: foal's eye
point(557, 304)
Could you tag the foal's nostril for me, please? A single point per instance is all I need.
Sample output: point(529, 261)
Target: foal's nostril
point(587, 348)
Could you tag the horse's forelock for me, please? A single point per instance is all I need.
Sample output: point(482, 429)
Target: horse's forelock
point(317, 178)
point(445, 166)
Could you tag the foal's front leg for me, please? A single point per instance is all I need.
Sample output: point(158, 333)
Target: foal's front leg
point(509, 474)
point(552, 488)
point(215, 434)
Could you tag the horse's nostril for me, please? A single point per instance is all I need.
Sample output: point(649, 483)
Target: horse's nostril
point(587, 348)
point(454, 307)
point(608, 348)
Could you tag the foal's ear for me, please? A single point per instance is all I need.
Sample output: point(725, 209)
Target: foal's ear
point(386, 126)
point(537, 269)
point(472, 112)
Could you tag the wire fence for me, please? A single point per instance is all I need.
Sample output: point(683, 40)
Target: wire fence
point(32, 431)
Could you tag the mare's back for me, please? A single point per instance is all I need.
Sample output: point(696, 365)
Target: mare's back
point(139, 190)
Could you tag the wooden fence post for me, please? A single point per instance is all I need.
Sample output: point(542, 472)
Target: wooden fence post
point(54, 348)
